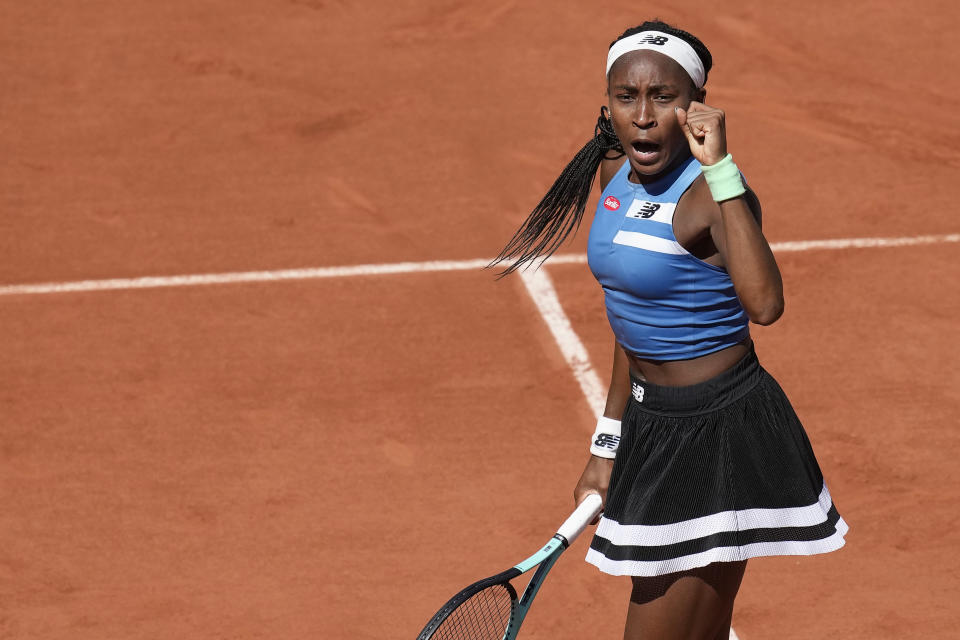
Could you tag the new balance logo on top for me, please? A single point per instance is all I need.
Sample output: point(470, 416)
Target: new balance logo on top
point(607, 441)
point(647, 209)
point(637, 391)
point(655, 211)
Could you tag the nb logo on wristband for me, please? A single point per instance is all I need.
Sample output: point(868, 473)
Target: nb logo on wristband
point(657, 40)
point(607, 441)
point(637, 391)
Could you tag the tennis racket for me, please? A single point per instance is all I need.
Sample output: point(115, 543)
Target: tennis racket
point(489, 609)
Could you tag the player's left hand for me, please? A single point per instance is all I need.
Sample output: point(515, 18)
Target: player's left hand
point(705, 131)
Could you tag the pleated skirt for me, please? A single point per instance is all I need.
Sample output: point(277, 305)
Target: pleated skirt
point(720, 471)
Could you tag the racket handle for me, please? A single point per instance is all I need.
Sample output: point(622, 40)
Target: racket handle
point(586, 511)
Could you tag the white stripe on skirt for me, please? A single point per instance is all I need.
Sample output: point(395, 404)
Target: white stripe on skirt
point(624, 535)
point(718, 554)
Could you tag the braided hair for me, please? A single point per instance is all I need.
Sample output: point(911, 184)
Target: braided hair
point(561, 209)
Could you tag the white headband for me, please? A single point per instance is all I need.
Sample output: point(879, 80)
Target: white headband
point(670, 46)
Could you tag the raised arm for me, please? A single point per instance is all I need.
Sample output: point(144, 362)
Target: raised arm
point(735, 220)
point(749, 260)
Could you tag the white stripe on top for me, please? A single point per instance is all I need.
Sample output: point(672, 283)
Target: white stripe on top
point(648, 242)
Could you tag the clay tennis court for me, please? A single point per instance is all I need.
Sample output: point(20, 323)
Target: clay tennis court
point(332, 452)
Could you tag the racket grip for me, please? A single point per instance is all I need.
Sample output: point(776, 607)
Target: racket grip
point(586, 511)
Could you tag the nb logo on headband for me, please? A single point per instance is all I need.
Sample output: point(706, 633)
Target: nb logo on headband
point(657, 40)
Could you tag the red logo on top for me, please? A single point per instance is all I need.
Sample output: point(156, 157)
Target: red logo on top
point(611, 203)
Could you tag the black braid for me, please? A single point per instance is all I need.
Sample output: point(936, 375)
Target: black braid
point(605, 138)
point(561, 210)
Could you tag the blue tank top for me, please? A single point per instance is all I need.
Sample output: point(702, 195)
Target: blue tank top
point(662, 302)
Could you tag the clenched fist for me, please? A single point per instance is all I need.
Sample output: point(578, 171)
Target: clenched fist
point(705, 131)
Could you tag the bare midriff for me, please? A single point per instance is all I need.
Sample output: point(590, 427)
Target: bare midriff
point(681, 373)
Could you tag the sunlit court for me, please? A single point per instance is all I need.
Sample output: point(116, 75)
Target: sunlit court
point(258, 383)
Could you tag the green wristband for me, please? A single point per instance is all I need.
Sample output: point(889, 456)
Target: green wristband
point(724, 179)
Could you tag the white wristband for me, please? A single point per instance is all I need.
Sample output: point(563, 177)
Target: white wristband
point(606, 438)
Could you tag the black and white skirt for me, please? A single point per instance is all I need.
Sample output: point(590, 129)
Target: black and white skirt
point(719, 471)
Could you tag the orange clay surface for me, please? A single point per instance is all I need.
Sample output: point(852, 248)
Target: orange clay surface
point(334, 458)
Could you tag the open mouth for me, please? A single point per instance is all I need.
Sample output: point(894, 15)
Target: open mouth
point(645, 151)
point(645, 147)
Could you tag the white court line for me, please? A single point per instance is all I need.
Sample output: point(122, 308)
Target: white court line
point(540, 288)
point(154, 282)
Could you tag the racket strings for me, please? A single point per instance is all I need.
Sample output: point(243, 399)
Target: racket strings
point(484, 616)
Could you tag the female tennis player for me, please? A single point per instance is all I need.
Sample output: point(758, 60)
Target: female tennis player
point(699, 456)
